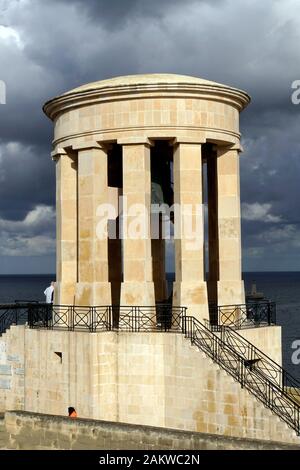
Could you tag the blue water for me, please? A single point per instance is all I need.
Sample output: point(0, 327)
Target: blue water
point(22, 287)
point(284, 289)
point(281, 287)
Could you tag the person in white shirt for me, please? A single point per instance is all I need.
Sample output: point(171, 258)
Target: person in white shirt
point(49, 293)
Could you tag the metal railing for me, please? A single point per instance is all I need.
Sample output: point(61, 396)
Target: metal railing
point(262, 363)
point(16, 314)
point(161, 317)
point(250, 315)
point(272, 394)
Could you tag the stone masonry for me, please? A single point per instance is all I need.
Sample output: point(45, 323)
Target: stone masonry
point(138, 378)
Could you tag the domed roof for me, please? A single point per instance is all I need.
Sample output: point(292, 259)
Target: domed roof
point(142, 85)
point(145, 79)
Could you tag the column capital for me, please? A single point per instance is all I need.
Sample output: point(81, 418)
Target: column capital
point(57, 153)
point(136, 140)
point(237, 147)
point(92, 144)
point(189, 140)
point(227, 148)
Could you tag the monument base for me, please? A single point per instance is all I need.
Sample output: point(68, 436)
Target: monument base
point(192, 295)
point(91, 294)
point(231, 293)
point(137, 293)
point(64, 293)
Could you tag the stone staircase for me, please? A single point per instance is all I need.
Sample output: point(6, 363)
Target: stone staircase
point(278, 409)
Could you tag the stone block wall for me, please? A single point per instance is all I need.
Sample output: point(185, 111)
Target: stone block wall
point(34, 431)
point(148, 379)
point(261, 338)
point(12, 376)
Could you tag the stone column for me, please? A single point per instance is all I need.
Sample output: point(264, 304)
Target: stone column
point(93, 287)
point(189, 288)
point(66, 227)
point(230, 286)
point(137, 287)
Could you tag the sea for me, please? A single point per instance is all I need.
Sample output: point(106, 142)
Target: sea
point(280, 287)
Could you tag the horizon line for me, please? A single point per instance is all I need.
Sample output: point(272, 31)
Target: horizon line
point(167, 272)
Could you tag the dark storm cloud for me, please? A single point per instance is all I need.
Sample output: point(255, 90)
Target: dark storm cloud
point(26, 179)
point(113, 13)
point(49, 47)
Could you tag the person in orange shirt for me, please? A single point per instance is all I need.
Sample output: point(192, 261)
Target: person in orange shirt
point(72, 412)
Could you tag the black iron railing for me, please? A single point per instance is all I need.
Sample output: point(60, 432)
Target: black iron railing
point(272, 394)
point(161, 317)
point(16, 314)
point(105, 318)
point(252, 314)
point(258, 360)
point(70, 318)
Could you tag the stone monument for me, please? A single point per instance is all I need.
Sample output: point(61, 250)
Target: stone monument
point(156, 137)
point(136, 156)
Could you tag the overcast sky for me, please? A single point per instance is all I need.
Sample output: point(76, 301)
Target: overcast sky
point(48, 47)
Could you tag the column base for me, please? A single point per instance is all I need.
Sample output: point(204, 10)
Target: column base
point(64, 293)
point(137, 293)
point(231, 293)
point(193, 295)
point(93, 293)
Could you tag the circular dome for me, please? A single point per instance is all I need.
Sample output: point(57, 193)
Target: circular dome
point(144, 85)
point(144, 79)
